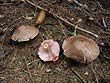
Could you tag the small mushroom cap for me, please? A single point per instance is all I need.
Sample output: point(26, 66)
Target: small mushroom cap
point(49, 50)
point(80, 48)
point(41, 17)
point(24, 33)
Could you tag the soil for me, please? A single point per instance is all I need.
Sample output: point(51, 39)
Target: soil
point(19, 62)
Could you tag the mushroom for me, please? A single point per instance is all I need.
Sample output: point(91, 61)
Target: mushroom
point(24, 33)
point(41, 17)
point(80, 48)
point(49, 50)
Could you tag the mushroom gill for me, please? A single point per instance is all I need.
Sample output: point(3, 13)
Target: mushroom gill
point(49, 50)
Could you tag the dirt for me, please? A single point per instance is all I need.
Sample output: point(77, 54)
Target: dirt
point(15, 58)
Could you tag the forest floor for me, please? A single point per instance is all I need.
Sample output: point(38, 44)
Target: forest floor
point(17, 59)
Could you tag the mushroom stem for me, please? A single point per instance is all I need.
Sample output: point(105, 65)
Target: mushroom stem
point(46, 47)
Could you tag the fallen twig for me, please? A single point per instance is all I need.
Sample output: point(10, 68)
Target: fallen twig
point(79, 76)
point(62, 28)
point(62, 19)
point(104, 23)
point(94, 73)
point(83, 8)
point(99, 5)
point(87, 12)
point(33, 62)
point(77, 26)
point(28, 70)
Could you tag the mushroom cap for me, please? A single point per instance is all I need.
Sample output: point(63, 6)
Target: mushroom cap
point(52, 52)
point(41, 17)
point(24, 33)
point(80, 48)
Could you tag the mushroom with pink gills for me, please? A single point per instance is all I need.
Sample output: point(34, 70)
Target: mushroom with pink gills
point(49, 50)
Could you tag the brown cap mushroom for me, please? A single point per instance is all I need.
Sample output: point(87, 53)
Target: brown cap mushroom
point(24, 33)
point(49, 50)
point(80, 48)
point(41, 17)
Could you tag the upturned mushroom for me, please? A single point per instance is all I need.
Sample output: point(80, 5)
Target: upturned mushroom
point(80, 48)
point(49, 50)
point(24, 33)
